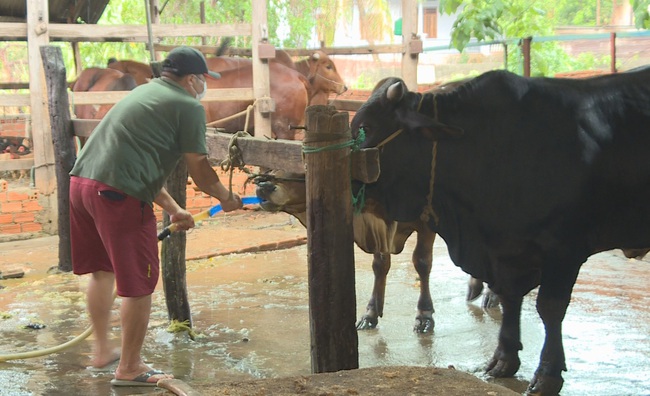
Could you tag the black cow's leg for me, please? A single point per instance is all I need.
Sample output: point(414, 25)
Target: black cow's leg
point(552, 302)
point(505, 361)
point(375, 308)
point(422, 257)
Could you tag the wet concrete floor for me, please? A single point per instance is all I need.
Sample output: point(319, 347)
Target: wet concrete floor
point(251, 315)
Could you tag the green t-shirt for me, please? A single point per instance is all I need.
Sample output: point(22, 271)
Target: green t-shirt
point(141, 139)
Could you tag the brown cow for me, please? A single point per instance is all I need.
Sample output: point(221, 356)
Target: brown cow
point(289, 90)
point(322, 75)
point(141, 72)
point(319, 69)
point(221, 63)
point(99, 79)
point(280, 191)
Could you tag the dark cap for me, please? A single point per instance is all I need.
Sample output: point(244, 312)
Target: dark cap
point(187, 60)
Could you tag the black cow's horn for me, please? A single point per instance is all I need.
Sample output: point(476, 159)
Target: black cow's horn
point(395, 92)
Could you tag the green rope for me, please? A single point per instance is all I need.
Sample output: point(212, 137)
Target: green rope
point(354, 143)
point(358, 201)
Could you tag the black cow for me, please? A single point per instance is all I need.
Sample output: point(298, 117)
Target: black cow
point(524, 179)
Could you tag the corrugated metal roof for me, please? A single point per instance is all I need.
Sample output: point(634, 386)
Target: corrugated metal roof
point(61, 11)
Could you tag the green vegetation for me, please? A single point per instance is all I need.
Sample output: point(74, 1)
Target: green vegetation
point(292, 25)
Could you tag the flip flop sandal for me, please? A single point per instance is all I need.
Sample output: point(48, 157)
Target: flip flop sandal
point(140, 380)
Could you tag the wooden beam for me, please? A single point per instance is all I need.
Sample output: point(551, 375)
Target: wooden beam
point(261, 75)
point(37, 33)
point(119, 33)
point(247, 52)
point(15, 100)
point(346, 105)
point(63, 142)
point(409, 31)
point(16, 164)
point(267, 153)
point(83, 127)
point(112, 97)
point(286, 154)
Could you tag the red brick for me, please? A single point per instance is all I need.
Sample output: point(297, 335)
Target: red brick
point(6, 218)
point(190, 192)
point(11, 207)
point(16, 196)
point(33, 196)
point(24, 217)
point(31, 206)
point(31, 227)
point(4, 185)
point(200, 202)
point(10, 229)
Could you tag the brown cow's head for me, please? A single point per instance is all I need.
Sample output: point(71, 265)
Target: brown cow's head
point(323, 75)
point(283, 192)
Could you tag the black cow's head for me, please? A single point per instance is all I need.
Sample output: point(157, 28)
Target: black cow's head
point(392, 107)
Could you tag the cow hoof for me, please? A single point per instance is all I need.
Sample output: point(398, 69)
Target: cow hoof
point(490, 300)
point(367, 323)
point(423, 325)
point(543, 385)
point(502, 368)
point(474, 289)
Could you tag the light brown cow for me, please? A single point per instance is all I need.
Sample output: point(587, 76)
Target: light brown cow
point(289, 91)
point(221, 63)
point(99, 79)
point(321, 72)
point(319, 69)
point(141, 72)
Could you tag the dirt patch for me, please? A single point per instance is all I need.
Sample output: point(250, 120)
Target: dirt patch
point(385, 381)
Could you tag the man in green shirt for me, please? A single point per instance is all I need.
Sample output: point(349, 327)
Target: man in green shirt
point(120, 173)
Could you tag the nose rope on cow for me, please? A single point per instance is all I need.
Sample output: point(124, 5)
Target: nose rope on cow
point(328, 79)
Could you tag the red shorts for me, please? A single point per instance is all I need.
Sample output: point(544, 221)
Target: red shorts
point(114, 232)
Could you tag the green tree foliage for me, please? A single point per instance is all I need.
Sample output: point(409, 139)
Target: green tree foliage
point(511, 20)
point(641, 13)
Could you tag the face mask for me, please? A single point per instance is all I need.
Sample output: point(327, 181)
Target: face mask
point(201, 95)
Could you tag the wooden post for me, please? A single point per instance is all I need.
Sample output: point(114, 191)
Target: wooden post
point(612, 50)
point(63, 142)
point(330, 241)
point(261, 80)
point(76, 54)
point(525, 49)
point(409, 35)
point(204, 39)
point(37, 35)
point(172, 255)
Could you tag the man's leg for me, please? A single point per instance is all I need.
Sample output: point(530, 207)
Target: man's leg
point(100, 300)
point(135, 313)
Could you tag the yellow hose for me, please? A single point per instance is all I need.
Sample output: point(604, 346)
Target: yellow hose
point(47, 351)
point(54, 349)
